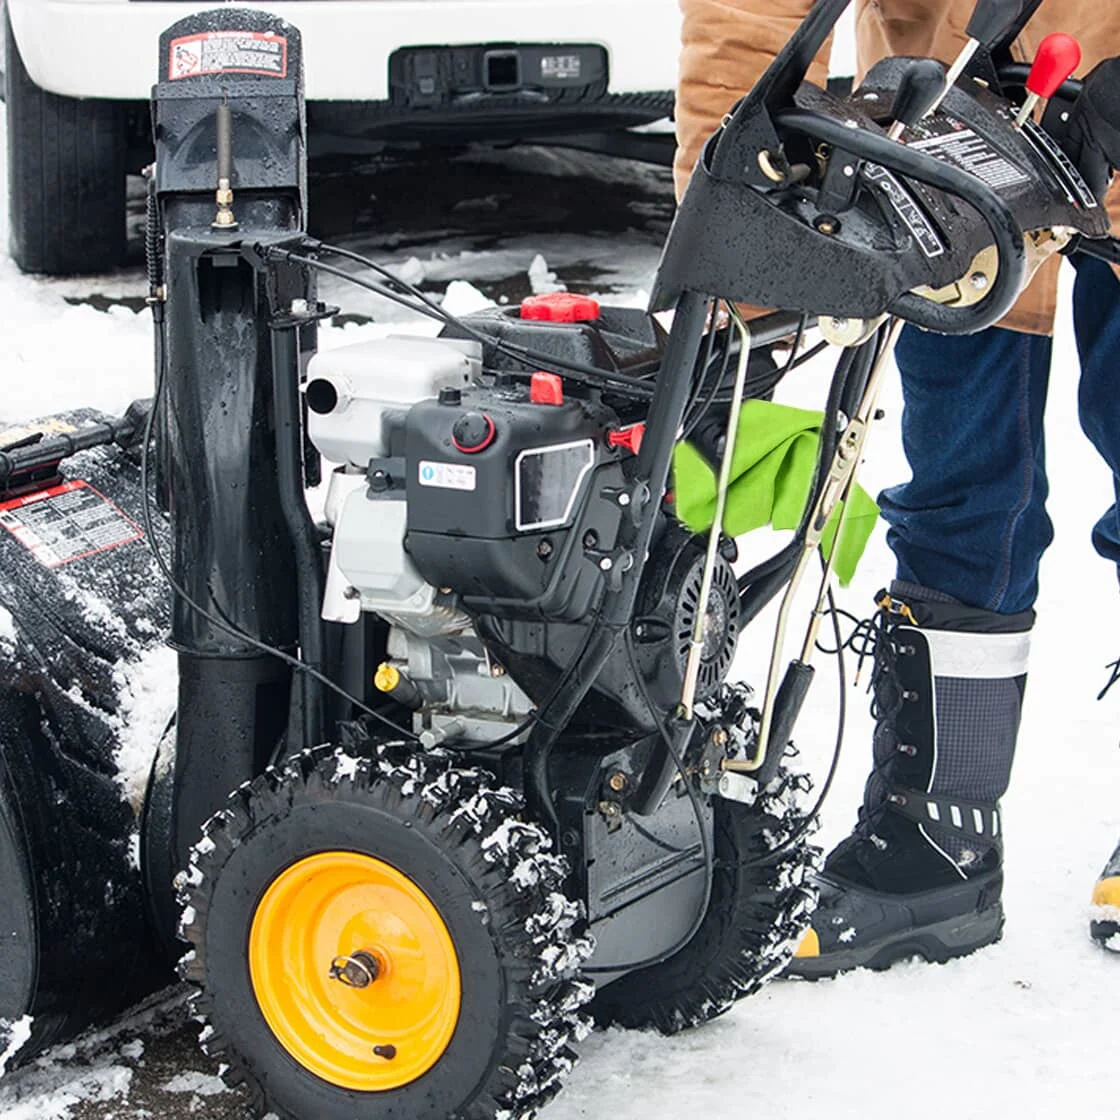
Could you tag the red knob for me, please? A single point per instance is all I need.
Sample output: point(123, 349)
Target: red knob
point(561, 307)
point(546, 388)
point(1058, 56)
point(630, 438)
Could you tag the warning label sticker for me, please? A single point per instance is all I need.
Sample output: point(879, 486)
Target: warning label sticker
point(67, 523)
point(963, 148)
point(228, 52)
point(447, 476)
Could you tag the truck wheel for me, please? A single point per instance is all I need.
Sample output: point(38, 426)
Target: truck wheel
point(66, 176)
point(381, 937)
point(760, 906)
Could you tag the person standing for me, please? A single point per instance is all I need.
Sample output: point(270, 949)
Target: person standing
point(921, 873)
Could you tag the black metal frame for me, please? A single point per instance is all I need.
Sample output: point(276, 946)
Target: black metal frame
point(248, 564)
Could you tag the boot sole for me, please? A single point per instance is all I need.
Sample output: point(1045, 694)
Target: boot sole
point(935, 942)
point(1106, 934)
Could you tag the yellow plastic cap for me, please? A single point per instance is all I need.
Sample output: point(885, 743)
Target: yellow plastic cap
point(386, 678)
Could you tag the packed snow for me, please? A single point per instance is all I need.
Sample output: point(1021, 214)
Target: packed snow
point(18, 1033)
point(148, 689)
point(7, 628)
point(1025, 1029)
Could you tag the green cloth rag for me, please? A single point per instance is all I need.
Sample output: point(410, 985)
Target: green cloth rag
point(771, 472)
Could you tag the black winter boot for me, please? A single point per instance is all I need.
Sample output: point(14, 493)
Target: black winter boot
point(921, 874)
point(1104, 918)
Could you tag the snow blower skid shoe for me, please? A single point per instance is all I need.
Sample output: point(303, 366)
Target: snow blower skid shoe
point(1104, 921)
point(85, 693)
point(921, 873)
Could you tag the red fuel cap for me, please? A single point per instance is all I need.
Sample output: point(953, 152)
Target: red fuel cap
point(546, 388)
point(560, 307)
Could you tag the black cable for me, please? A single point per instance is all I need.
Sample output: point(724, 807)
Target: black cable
point(766, 383)
point(510, 348)
point(215, 619)
point(717, 384)
point(664, 845)
point(534, 716)
point(704, 367)
point(620, 383)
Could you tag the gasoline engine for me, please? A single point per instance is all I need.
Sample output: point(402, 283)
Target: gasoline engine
point(486, 610)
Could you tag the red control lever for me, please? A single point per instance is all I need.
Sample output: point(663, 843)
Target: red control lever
point(1059, 55)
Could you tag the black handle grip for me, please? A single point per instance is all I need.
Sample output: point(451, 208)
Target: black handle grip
point(787, 707)
point(918, 91)
point(993, 19)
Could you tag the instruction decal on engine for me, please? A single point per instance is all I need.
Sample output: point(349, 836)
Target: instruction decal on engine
point(228, 52)
point(67, 523)
point(447, 476)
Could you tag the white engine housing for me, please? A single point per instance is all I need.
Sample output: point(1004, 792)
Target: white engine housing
point(350, 389)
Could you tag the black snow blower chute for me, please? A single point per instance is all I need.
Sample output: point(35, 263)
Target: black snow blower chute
point(454, 764)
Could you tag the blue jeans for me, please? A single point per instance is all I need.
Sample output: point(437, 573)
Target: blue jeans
point(972, 521)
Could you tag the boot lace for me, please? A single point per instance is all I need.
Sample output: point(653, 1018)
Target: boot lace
point(876, 637)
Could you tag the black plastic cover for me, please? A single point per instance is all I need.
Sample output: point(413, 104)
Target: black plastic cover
point(253, 61)
point(744, 243)
point(521, 526)
point(83, 610)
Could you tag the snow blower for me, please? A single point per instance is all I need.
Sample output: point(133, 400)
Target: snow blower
point(489, 777)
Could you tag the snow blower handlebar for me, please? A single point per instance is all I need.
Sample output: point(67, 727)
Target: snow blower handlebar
point(25, 460)
point(877, 206)
point(920, 168)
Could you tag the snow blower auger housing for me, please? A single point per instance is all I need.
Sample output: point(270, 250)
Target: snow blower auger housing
point(488, 772)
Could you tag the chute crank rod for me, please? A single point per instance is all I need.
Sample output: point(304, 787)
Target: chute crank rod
point(696, 645)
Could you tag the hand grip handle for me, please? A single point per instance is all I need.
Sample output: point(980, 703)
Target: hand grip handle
point(1059, 55)
point(921, 85)
point(992, 19)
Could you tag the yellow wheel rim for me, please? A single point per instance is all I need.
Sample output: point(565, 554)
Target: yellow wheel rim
point(354, 971)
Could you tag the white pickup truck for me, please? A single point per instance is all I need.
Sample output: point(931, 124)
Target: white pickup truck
point(78, 74)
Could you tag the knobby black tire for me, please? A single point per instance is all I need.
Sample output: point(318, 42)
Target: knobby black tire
point(66, 176)
point(529, 930)
point(761, 902)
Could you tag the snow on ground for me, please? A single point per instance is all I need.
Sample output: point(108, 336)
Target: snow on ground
point(1025, 1029)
